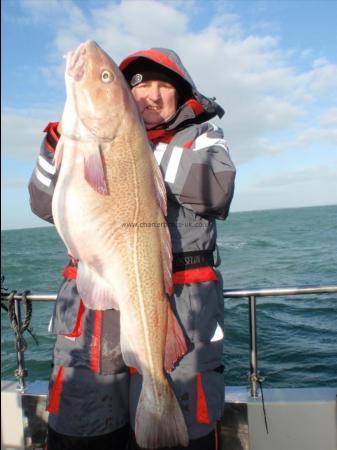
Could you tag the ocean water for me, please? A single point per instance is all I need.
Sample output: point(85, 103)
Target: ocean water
point(296, 336)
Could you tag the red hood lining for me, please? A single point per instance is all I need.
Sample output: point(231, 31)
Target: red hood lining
point(155, 56)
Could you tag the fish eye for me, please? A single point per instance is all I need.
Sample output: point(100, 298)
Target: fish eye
point(107, 76)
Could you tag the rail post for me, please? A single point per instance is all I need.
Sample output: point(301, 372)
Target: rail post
point(253, 374)
point(20, 372)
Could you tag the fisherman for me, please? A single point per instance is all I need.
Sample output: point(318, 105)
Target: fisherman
point(199, 178)
point(90, 385)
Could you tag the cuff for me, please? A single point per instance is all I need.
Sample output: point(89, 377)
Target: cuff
point(52, 136)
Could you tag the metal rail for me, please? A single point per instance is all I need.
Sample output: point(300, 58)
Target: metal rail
point(250, 294)
point(31, 297)
point(277, 292)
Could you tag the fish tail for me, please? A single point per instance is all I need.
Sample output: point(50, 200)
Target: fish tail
point(160, 424)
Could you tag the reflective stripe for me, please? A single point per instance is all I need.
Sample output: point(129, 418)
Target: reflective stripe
point(159, 152)
point(42, 178)
point(55, 393)
point(204, 141)
point(50, 325)
point(173, 164)
point(218, 334)
point(46, 165)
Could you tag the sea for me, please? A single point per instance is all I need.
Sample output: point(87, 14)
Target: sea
point(296, 335)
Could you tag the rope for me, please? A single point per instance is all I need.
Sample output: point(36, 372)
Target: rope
point(260, 381)
point(12, 314)
point(20, 343)
point(3, 289)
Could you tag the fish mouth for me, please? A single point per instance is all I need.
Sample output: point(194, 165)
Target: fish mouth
point(76, 62)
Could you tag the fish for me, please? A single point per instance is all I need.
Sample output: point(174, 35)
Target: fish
point(109, 208)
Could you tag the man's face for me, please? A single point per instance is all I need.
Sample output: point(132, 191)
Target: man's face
point(157, 101)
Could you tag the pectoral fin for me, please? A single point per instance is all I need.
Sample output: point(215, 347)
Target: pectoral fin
point(93, 167)
point(94, 290)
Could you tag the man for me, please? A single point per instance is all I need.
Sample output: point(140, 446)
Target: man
point(88, 397)
point(199, 178)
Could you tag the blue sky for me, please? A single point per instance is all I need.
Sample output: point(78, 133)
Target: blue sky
point(271, 64)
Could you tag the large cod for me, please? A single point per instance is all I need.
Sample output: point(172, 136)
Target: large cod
point(109, 208)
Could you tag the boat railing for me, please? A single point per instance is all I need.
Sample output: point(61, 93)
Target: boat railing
point(250, 294)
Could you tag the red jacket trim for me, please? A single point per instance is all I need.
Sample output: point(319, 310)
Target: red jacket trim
point(55, 393)
point(196, 106)
point(96, 347)
point(198, 275)
point(49, 147)
point(70, 272)
point(188, 144)
point(202, 410)
point(51, 128)
point(165, 136)
point(54, 136)
point(77, 331)
point(188, 276)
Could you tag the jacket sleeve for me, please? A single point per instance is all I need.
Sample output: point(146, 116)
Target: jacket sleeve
point(42, 182)
point(198, 171)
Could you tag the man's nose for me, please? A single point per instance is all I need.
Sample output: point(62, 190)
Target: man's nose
point(154, 93)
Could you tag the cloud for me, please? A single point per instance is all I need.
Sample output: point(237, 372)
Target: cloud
point(22, 131)
point(322, 79)
point(267, 99)
point(14, 183)
point(308, 186)
point(319, 174)
point(329, 118)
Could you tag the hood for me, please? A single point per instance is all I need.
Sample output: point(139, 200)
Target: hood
point(197, 107)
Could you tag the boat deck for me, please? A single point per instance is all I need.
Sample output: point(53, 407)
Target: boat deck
point(297, 419)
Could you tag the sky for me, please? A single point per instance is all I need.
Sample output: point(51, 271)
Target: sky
point(272, 65)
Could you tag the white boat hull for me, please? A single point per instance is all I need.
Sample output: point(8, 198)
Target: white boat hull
point(297, 418)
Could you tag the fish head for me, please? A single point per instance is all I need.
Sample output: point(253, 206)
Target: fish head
point(98, 96)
